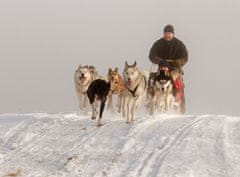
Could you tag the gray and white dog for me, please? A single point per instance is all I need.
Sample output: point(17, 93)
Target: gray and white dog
point(135, 89)
point(83, 77)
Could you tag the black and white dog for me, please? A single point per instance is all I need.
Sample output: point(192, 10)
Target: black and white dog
point(161, 92)
point(98, 91)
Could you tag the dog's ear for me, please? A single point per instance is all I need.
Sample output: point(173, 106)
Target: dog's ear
point(116, 69)
point(135, 64)
point(109, 70)
point(79, 67)
point(126, 64)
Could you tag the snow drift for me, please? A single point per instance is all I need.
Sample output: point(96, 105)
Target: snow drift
point(54, 145)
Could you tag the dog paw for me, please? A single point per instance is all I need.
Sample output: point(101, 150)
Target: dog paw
point(100, 124)
point(128, 122)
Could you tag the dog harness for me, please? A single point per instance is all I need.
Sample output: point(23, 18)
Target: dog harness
point(133, 92)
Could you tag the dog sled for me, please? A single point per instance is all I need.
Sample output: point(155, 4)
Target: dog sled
point(165, 93)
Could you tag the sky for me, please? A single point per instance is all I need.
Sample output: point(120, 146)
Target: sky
point(42, 42)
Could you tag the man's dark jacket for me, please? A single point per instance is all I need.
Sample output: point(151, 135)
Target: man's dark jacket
point(173, 51)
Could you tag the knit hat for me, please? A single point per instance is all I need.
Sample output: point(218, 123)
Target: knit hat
point(168, 28)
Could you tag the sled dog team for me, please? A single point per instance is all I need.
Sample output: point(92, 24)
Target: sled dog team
point(131, 88)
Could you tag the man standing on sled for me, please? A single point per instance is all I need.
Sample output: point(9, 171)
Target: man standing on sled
point(171, 50)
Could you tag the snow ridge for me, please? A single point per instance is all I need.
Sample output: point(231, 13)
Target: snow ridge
point(68, 144)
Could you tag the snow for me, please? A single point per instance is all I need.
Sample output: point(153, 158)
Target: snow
point(70, 145)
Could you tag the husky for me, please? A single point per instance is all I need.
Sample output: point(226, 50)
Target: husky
point(161, 92)
point(83, 77)
point(135, 89)
point(117, 87)
point(98, 91)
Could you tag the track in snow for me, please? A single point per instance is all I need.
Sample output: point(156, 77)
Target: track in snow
point(68, 145)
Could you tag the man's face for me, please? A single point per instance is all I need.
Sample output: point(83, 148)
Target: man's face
point(163, 68)
point(168, 36)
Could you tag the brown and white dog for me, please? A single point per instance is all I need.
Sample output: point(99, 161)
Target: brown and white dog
point(83, 77)
point(117, 88)
point(135, 90)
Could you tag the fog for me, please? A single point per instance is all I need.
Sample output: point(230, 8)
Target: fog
point(42, 42)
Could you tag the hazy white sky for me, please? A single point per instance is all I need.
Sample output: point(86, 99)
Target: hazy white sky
point(43, 41)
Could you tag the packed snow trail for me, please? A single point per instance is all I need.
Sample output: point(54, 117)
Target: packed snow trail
point(70, 145)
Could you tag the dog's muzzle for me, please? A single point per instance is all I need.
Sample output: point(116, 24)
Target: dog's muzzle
point(129, 82)
point(82, 78)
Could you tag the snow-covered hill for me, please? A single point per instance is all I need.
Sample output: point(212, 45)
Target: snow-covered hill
point(54, 145)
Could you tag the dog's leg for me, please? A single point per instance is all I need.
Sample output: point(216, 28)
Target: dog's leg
point(132, 107)
point(157, 103)
point(127, 109)
point(176, 107)
point(166, 104)
point(136, 105)
point(101, 111)
point(171, 102)
point(151, 104)
point(138, 102)
point(148, 100)
point(119, 103)
point(182, 105)
point(110, 104)
point(94, 113)
point(162, 106)
point(80, 99)
point(124, 106)
point(96, 106)
point(85, 103)
point(92, 102)
point(154, 104)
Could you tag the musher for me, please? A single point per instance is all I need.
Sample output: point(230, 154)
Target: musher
point(172, 50)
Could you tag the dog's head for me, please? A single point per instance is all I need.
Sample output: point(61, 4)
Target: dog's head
point(130, 73)
point(115, 79)
point(163, 85)
point(83, 74)
point(112, 73)
point(163, 80)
